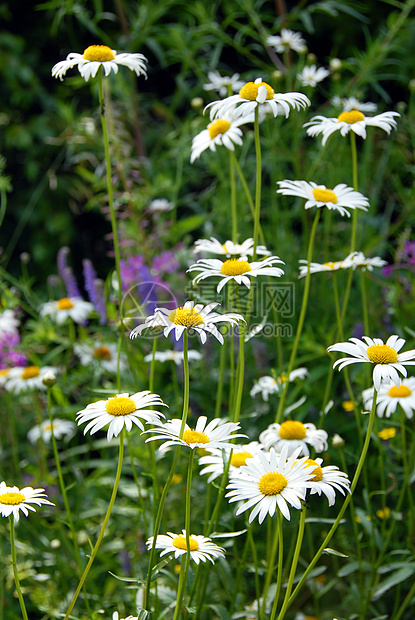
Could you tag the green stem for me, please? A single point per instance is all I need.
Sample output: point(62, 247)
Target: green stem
point(405, 603)
point(103, 528)
point(14, 565)
point(271, 561)
point(233, 197)
point(219, 390)
point(257, 183)
point(301, 319)
point(248, 197)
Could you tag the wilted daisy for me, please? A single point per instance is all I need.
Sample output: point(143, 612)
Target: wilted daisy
point(119, 411)
point(328, 480)
point(190, 316)
point(13, 499)
point(386, 357)
point(215, 462)
point(353, 120)
point(258, 93)
point(224, 131)
point(96, 56)
point(293, 435)
point(287, 40)
point(223, 84)
point(208, 435)
point(101, 355)
point(340, 198)
point(201, 548)
point(330, 266)
point(61, 429)
point(68, 307)
point(9, 323)
point(358, 259)
point(270, 481)
point(173, 356)
point(237, 269)
point(390, 396)
point(311, 76)
point(269, 385)
point(21, 379)
point(351, 103)
point(229, 248)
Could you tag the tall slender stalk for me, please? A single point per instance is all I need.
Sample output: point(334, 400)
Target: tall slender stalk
point(258, 182)
point(15, 571)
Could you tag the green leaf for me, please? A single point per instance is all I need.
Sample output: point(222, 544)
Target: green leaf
point(334, 552)
point(393, 580)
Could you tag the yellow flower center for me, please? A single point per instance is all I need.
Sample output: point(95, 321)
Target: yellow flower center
point(325, 195)
point(384, 514)
point(351, 117)
point(65, 304)
point(195, 437)
point(48, 427)
point(387, 433)
point(400, 392)
point(239, 458)
point(180, 543)
point(11, 498)
point(218, 127)
point(382, 354)
point(100, 53)
point(235, 267)
point(102, 353)
point(250, 91)
point(330, 264)
point(272, 483)
point(4, 372)
point(317, 471)
point(282, 379)
point(30, 372)
point(189, 317)
point(120, 405)
point(292, 429)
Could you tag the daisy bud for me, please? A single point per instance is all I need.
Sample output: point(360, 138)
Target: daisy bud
point(196, 102)
point(335, 64)
point(337, 441)
point(49, 379)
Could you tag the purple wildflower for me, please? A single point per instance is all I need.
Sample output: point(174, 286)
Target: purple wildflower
point(66, 273)
point(95, 289)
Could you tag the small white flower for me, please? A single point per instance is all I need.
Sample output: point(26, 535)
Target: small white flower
point(386, 357)
point(352, 120)
point(201, 548)
point(173, 356)
point(68, 307)
point(311, 76)
point(13, 499)
point(327, 480)
point(270, 481)
point(101, 355)
point(190, 316)
point(119, 411)
point(208, 435)
point(236, 269)
point(336, 64)
point(96, 56)
point(287, 40)
point(390, 396)
point(229, 248)
point(351, 103)
point(258, 93)
point(160, 205)
point(340, 198)
point(21, 379)
point(216, 461)
point(224, 131)
point(293, 435)
point(222, 84)
point(9, 323)
point(268, 385)
point(61, 429)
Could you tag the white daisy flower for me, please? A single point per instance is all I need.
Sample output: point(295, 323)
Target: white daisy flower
point(223, 84)
point(293, 435)
point(68, 307)
point(160, 205)
point(358, 259)
point(328, 480)
point(21, 379)
point(287, 40)
point(115, 616)
point(390, 396)
point(353, 120)
point(311, 76)
point(62, 429)
point(101, 355)
point(229, 248)
point(320, 267)
point(173, 356)
point(201, 548)
point(224, 131)
point(258, 93)
point(351, 103)
point(190, 316)
point(13, 499)
point(119, 411)
point(237, 269)
point(4, 375)
point(268, 385)
point(386, 357)
point(96, 56)
point(216, 461)
point(270, 481)
point(340, 198)
point(207, 435)
point(9, 323)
